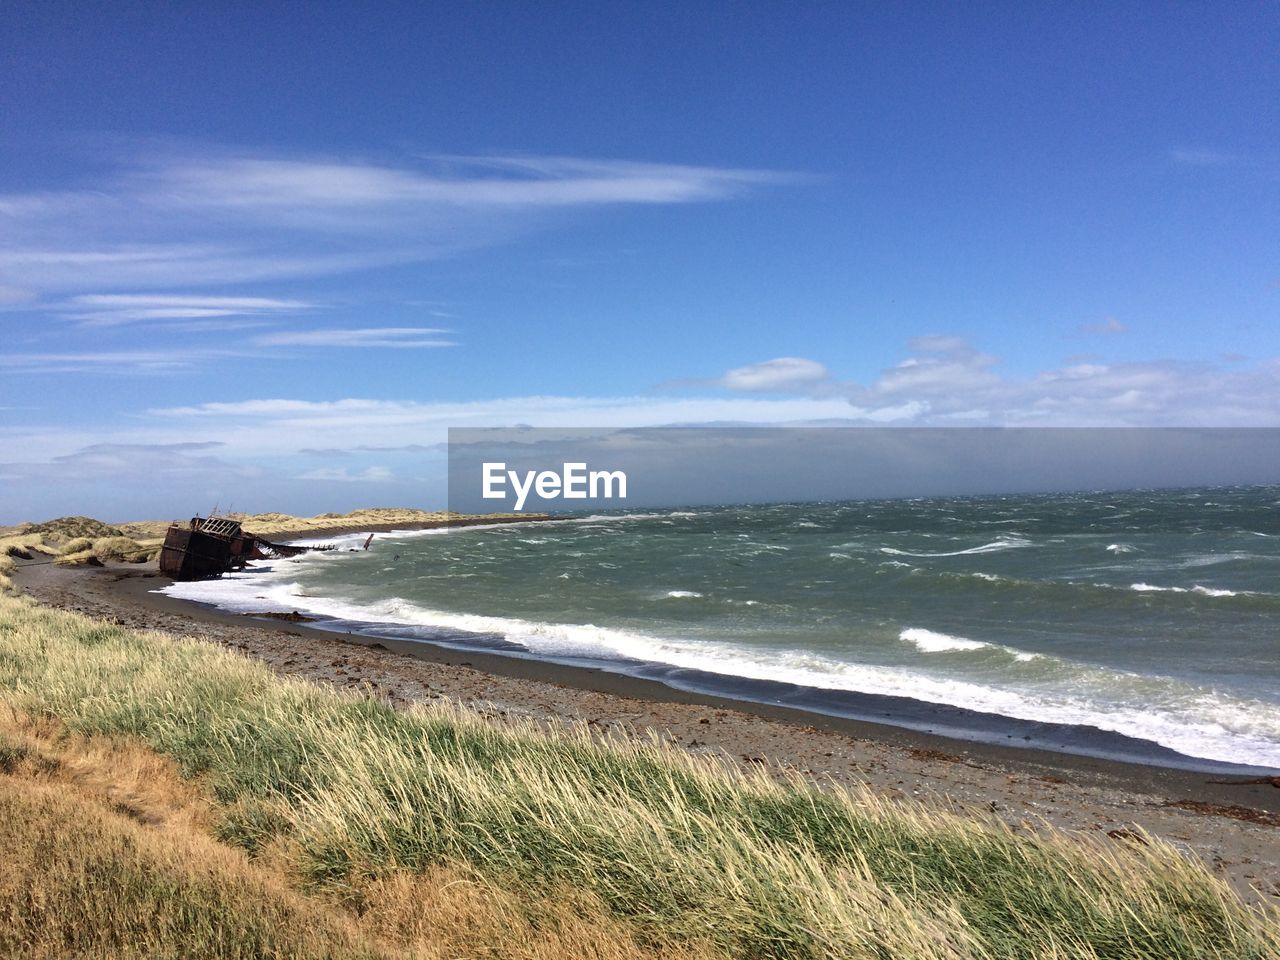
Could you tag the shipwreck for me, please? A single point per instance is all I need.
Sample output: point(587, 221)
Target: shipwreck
point(208, 547)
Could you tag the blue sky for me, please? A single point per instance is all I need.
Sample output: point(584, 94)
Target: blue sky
point(264, 255)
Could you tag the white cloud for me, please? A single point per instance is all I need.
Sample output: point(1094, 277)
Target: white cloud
point(365, 337)
point(785, 375)
point(944, 380)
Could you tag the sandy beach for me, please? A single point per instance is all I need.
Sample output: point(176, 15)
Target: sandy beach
point(1233, 826)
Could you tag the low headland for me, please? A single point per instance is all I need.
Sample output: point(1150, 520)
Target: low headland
point(247, 787)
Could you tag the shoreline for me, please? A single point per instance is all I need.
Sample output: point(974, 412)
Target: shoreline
point(347, 530)
point(1233, 825)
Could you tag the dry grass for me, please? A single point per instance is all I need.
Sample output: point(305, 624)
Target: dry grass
point(140, 876)
point(74, 541)
point(67, 528)
point(648, 846)
point(82, 551)
point(26, 545)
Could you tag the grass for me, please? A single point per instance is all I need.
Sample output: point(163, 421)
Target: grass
point(654, 849)
point(141, 876)
point(73, 541)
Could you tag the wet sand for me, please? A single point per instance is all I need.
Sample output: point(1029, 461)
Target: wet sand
point(1234, 827)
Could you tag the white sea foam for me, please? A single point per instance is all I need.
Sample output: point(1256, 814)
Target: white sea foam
point(1203, 591)
point(1121, 548)
point(994, 546)
point(930, 641)
point(1193, 720)
point(684, 594)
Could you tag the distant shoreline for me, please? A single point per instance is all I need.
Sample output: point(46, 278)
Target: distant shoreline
point(316, 533)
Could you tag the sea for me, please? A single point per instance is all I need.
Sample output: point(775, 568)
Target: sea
point(1139, 625)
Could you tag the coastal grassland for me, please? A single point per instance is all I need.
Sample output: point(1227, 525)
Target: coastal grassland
point(76, 541)
point(266, 524)
point(108, 852)
point(82, 550)
point(346, 799)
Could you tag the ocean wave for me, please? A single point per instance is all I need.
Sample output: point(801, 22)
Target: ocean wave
point(930, 641)
point(684, 594)
point(1203, 591)
point(995, 546)
point(1121, 548)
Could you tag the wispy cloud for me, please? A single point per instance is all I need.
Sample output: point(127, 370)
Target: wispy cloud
point(149, 462)
point(172, 219)
point(109, 361)
point(343, 475)
point(362, 337)
point(308, 187)
point(120, 308)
